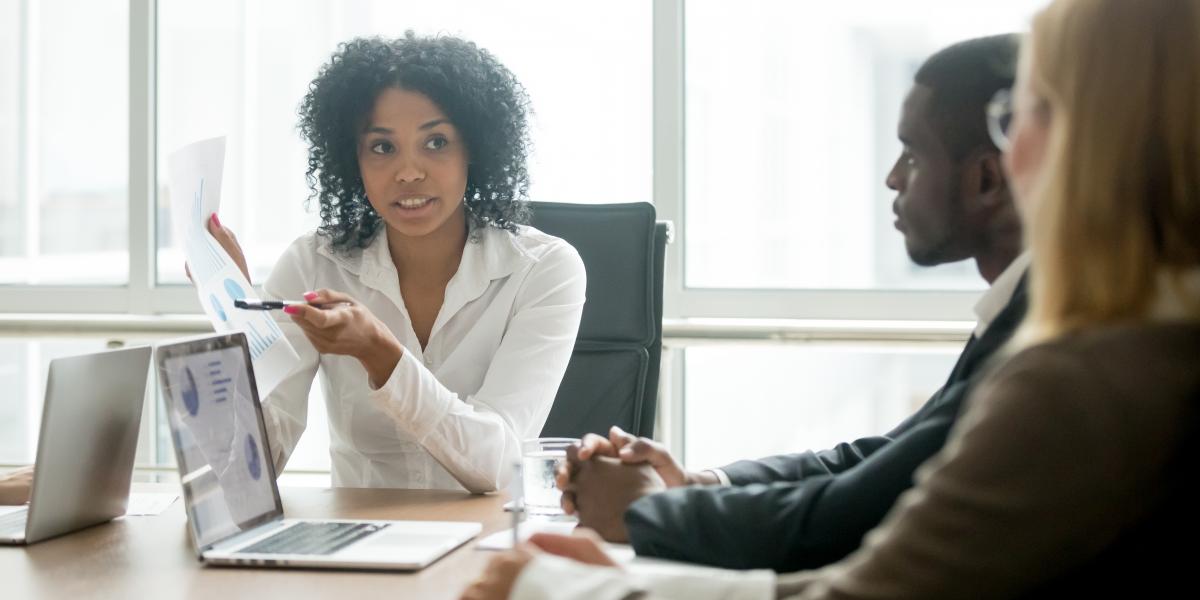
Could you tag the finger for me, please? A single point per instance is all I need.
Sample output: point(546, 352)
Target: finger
point(323, 340)
point(568, 502)
point(312, 332)
point(644, 450)
point(619, 438)
point(226, 238)
point(554, 543)
point(562, 476)
point(311, 317)
point(223, 235)
point(573, 455)
point(326, 296)
point(583, 548)
point(593, 444)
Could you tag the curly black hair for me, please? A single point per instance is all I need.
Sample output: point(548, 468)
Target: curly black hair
point(481, 97)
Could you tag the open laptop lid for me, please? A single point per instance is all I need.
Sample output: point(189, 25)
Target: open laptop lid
point(88, 440)
point(220, 441)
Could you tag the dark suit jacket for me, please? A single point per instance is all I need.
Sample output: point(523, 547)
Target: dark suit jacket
point(805, 510)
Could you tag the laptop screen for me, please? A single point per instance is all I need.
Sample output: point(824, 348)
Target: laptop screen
point(220, 443)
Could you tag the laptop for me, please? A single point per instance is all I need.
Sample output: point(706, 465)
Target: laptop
point(85, 451)
point(232, 501)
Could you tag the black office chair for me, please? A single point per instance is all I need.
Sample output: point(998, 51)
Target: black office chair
point(612, 378)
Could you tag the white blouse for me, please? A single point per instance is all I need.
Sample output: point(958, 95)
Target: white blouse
point(452, 415)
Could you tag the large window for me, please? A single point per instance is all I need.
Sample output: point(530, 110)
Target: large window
point(791, 127)
point(64, 130)
point(24, 365)
point(763, 128)
point(749, 401)
point(240, 69)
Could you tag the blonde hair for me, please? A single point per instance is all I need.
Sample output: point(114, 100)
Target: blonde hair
point(1119, 199)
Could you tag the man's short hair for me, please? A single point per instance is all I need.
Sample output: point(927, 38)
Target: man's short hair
point(963, 78)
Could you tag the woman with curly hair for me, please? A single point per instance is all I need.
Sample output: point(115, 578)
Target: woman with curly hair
point(441, 324)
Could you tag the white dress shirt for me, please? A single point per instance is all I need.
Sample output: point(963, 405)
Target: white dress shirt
point(452, 414)
point(995, 298)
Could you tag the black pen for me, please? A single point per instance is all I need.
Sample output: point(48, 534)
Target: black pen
point(266, 304)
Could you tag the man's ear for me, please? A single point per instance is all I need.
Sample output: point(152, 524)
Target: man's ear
point(984, 179)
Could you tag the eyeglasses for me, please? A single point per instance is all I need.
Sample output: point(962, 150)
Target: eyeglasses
point(999, 118)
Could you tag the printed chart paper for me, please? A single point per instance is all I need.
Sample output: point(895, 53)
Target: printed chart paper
point(194, 178)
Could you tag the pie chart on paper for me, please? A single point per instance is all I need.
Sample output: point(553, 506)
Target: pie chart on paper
point(217, 308)
point(234, 290)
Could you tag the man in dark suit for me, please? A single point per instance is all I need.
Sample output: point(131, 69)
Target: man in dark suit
point(804, 510)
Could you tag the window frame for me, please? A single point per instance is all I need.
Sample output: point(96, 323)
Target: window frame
point(143, 295)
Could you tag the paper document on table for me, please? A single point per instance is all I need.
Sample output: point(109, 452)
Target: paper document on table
point(194, 176)
point(502, 540)
point(149, 503)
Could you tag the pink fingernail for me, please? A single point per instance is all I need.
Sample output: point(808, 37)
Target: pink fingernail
point(215, 220)
point(310, 296)
point(291, 310)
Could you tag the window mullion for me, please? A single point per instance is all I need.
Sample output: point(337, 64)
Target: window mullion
point(142, 153)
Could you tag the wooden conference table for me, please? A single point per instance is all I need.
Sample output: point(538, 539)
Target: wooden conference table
point(151, 557)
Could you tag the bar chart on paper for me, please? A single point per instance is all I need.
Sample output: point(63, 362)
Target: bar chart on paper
point(205, 257)
point(261, 331)
point(260, 342)
point(195, 187)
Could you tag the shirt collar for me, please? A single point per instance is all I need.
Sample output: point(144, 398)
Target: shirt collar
point(993, 301)
point(490, 254)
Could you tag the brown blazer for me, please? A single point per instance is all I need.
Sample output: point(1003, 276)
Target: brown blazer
point(1072, 472)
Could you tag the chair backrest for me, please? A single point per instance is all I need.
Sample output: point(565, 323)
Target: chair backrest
point(612, 378)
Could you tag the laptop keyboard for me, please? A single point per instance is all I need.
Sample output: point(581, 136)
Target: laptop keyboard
point(313, 538)
point(13, 523)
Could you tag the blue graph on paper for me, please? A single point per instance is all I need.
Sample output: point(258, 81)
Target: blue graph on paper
point(209, 260)
point(234, 290)
point(217, 308)
point(206, 259)
point(261, 341)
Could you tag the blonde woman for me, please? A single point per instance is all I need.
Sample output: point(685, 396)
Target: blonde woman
point(1071, 472)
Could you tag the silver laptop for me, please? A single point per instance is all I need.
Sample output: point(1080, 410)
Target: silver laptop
point(228, 477)
point(86, 446)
